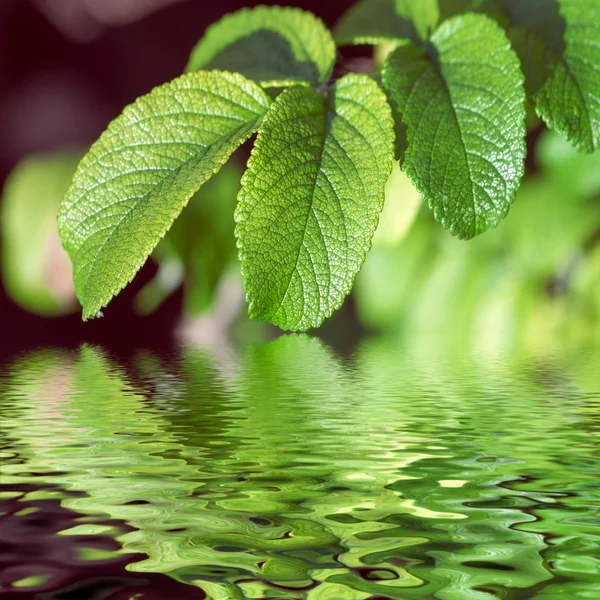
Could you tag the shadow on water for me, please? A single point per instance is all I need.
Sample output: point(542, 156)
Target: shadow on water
point(286, 471)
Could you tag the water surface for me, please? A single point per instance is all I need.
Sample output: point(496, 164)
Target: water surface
point(287, 471)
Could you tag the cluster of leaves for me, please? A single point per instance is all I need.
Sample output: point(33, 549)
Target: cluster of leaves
point(455, 90)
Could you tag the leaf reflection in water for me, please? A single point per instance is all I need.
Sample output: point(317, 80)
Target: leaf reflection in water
point(286, 471)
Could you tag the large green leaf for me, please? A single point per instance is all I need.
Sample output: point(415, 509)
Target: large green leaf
point(273, 45)
point(311, 198)
point(142, 171)
point(462, 104)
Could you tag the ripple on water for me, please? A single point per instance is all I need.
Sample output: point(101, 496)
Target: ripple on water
point(287, 472)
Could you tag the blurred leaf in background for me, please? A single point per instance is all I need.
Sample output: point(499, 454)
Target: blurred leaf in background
point(402, 204)
point(577, 174)
point(534, 276)
point(36, 271)
point(199, 247)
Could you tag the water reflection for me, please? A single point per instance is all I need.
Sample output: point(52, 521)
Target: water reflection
point(289, 472)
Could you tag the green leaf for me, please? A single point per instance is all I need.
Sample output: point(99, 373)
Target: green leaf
point(311, 198)
point(424, 14)
point(380, 21)
point(558, 43)
point(35, 269)
point(559, 47)
point(273, 45)
point(462, 103)
point(373, 22)
point(139, 175)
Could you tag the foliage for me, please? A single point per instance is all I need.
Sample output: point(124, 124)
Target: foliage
point(143, 170)
point(465, 121)
point(557, 43)
point(274, 46)
point(311, 197)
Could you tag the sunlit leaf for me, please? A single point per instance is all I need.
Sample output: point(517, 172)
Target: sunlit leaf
point(558, 43)
point(464, 119)
point(139, 175)
point(311, 198)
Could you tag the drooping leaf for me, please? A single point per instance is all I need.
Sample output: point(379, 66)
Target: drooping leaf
point(461, 102)
point(142, 171)
point(274, 45)
point(35, 268)
point(311, 198)
point(558, 43)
